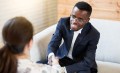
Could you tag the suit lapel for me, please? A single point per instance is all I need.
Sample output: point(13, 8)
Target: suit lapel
point(82, 35)
point(70, 33)
point(70, 39)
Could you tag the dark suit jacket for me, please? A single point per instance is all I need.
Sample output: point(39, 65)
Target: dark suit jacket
point(84, 48)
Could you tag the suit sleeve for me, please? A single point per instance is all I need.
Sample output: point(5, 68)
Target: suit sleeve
point(56, 39)
point(88, 59)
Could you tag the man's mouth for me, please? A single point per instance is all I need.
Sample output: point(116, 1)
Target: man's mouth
point(73, 26)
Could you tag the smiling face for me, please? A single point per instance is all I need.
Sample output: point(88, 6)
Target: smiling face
point(78, 18)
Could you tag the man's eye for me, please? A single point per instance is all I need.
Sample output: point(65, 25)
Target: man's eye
point(73, 16)
point(80, 19)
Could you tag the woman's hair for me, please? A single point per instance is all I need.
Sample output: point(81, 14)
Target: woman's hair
point(17, 32)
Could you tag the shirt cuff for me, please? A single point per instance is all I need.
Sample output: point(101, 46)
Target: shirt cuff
point(51, 54)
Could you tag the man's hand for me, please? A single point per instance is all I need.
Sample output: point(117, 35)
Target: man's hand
point(50, 60)
point(55, 60)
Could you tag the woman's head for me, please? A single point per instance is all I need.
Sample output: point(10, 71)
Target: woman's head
point(17, 32)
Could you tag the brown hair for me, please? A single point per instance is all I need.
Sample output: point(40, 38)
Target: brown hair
point(17, 32)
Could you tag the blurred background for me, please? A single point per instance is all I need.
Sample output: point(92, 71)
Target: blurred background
point(44, 13)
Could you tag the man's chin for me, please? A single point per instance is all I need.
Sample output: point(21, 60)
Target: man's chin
point(72, 28)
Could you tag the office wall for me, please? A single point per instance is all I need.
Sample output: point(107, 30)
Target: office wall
point(42, 13)
point(102, 9)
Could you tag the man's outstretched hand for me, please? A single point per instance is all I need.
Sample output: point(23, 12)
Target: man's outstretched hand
point(52, 60)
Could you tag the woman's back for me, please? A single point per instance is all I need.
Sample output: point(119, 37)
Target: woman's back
point(27, 66)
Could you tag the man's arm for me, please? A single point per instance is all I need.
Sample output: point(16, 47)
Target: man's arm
point(88, 60)
point(55, 42)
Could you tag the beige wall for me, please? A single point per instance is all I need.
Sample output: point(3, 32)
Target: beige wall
point(42, 13)
point(103, 9)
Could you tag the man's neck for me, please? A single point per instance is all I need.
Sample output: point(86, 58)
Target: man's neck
point(78, 31)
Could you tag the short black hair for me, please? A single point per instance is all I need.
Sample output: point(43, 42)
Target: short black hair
point(84, 6)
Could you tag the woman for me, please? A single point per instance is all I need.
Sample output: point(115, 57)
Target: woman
point(14, 55)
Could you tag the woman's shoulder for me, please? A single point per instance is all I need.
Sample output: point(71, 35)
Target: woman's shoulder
point(27, 66)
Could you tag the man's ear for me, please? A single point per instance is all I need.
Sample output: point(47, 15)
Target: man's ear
point(87, 20)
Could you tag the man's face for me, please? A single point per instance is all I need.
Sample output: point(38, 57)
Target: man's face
point(78, 18)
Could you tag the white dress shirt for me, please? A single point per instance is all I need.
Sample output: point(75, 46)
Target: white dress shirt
point(76, 33)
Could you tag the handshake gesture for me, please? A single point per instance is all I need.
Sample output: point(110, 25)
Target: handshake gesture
point(52, 60)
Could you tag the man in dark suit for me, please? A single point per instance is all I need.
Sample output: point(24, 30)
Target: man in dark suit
point(80, 39)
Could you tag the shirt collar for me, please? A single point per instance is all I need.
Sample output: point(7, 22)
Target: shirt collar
point(79, 31)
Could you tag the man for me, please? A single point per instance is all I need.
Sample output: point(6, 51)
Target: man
point(77, 53)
